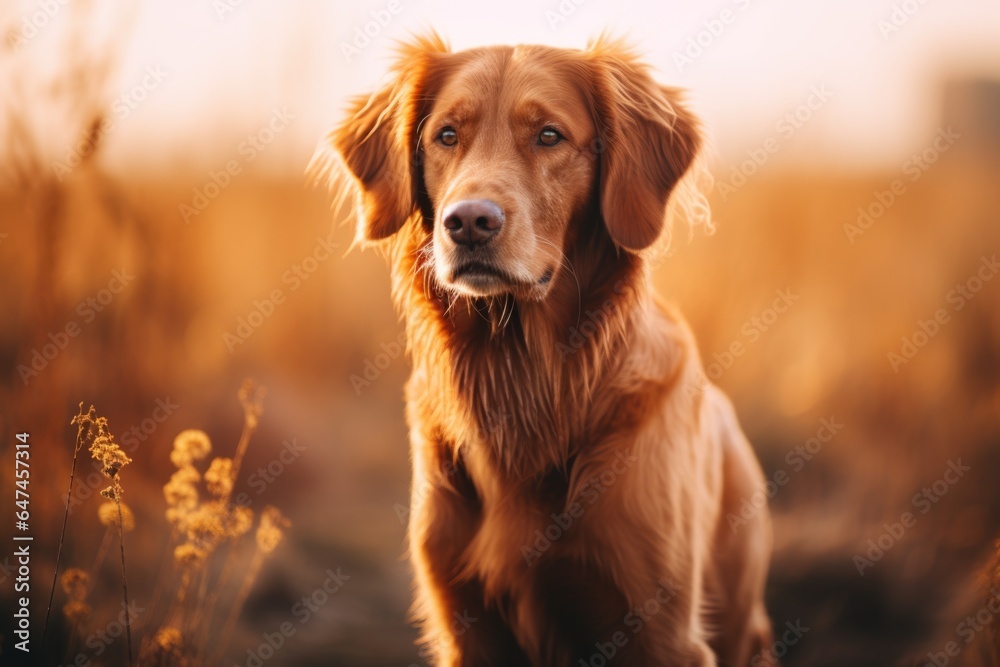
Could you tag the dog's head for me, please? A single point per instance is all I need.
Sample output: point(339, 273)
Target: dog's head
point(504, 149)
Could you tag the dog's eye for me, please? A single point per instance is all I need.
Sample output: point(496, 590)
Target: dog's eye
point(448, 136)
point(549, 137)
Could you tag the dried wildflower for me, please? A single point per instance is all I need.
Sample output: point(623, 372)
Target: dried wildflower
point(188, 556)
point(240, 521)
point(85, 423)
point(108, 514)
point(106, 450)
point(75, 583)
point(187, 474)
point(219, 477)
point(111, 470)
point(206, 526)
point(76, 611)
point(252, 398)
point(84, 420)
point(181, 495)
point(177, 517)
point(271, 529)
point(190, 446)
point(181, 489)
point(269, 536)
point(168, 648)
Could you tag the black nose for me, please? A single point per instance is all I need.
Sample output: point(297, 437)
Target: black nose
point(473, 221)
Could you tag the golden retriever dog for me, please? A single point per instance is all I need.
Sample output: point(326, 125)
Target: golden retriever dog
point(572, 468)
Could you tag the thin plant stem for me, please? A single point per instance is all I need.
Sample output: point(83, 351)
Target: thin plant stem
point(209, 608)
point(171, 618)
point(62, 535)
point(205, 610)
point(74, 633)
point(241, 598)
point(199, 603)
point(241, 448)
point(249, 426)
point(121, 542)
point(102, 552)
point(250, 397)
point(158, 591)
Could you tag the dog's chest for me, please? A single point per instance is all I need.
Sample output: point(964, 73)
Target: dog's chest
point(532, 554)
point(525, 526)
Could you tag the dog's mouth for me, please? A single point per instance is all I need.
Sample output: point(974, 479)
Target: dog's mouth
point(481, 270)
point(483, 279)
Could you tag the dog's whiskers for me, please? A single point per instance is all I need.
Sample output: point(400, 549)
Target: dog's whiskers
point(564, 261)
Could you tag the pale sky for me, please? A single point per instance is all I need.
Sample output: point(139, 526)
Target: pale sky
point(229, 64)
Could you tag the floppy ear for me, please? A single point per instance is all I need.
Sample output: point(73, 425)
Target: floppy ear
point(647, 140)
point(377, 143)
point(373, 146)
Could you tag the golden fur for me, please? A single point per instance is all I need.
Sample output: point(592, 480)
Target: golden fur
point(572, 467)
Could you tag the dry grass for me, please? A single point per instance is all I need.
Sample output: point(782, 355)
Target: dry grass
point(206, 529)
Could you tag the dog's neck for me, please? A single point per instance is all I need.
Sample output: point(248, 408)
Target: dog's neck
point(519, 378)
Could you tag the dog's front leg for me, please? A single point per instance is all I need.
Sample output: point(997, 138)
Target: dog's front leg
point(660, 579)
point(458, 628)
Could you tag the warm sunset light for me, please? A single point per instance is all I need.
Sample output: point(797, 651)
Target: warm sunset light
point(236, 433)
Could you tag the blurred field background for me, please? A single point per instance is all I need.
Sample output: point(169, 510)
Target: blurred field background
point(114, 117)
